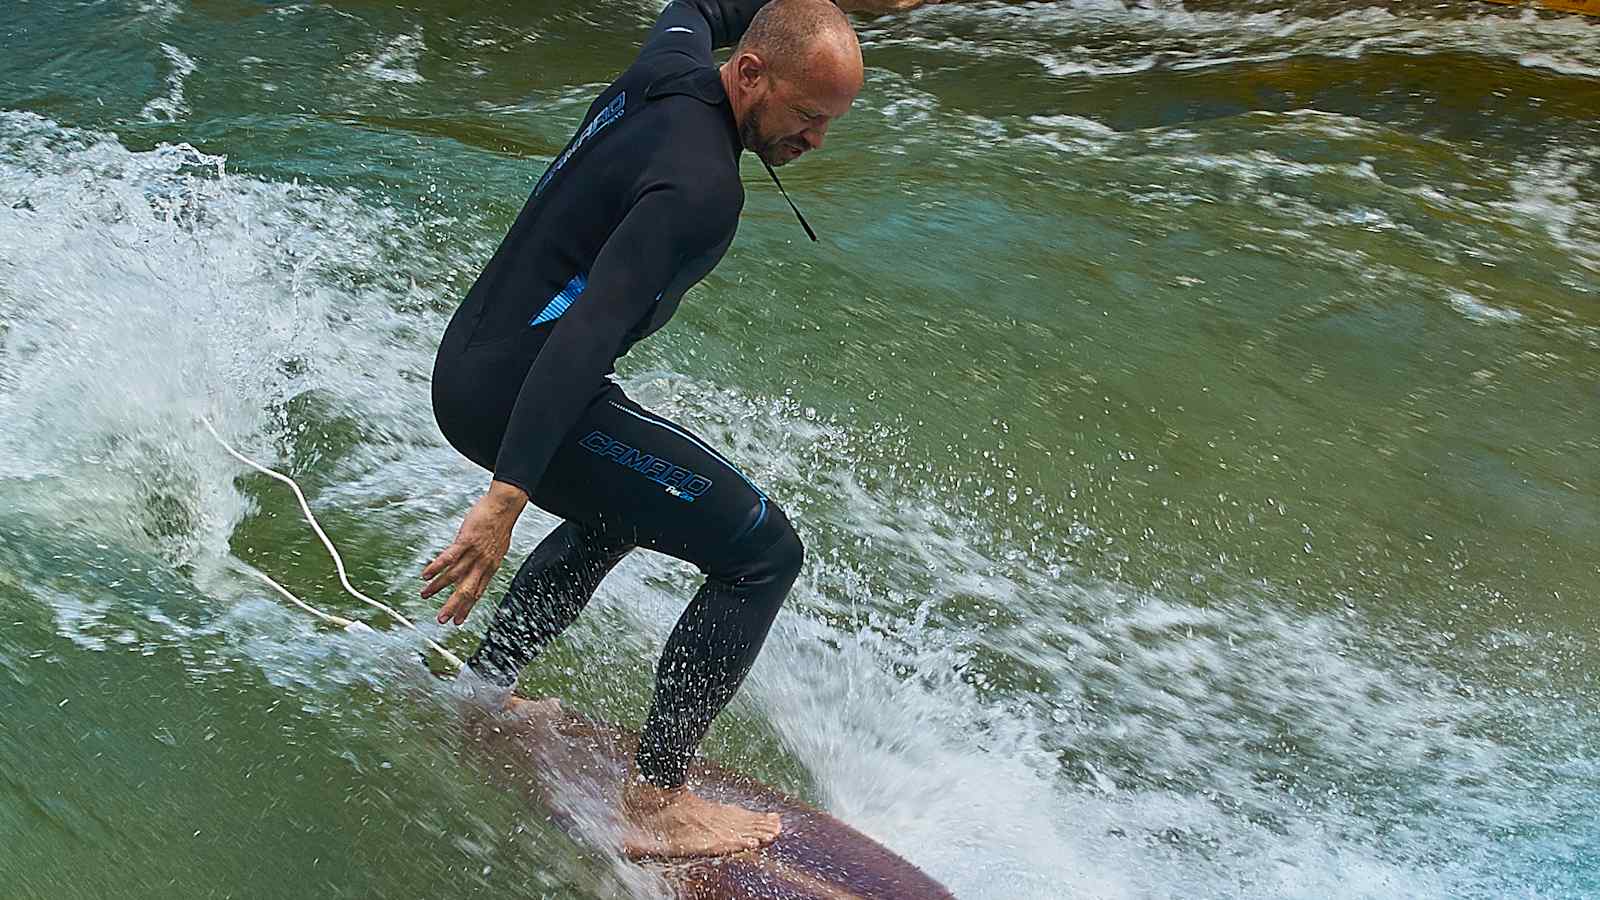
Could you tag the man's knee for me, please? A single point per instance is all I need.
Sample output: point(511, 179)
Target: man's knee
point(787, 554)
point(772, 553)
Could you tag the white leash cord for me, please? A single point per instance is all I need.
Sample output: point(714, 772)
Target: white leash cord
point(338, 562)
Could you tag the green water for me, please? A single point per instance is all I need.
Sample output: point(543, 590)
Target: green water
point(1193, 415)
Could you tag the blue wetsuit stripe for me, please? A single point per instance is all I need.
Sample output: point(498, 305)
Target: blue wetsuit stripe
point(563, 299)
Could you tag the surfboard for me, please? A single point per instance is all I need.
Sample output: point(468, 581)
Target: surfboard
point(573, 767)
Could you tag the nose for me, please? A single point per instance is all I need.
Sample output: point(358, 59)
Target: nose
point(814, 135)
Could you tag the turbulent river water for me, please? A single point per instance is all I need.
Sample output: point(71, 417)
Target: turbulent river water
point(1192, 414)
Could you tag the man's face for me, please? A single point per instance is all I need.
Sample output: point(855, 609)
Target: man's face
point(790, 114)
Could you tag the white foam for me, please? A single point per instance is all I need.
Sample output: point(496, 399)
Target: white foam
point(1546, 194)
point(1170, 35)
point(1084, 64)
point(171, 107)
point(1563, 64)
point(397, 61)
point(160, 12)
point(147, 288)
point(1478, 311)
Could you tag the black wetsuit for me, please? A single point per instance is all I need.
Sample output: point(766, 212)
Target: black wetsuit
point(641, 204)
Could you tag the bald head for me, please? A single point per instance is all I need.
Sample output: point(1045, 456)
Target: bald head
point(792, 34)
point(797, 68)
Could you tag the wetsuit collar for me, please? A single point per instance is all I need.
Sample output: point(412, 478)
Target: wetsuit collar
point(705, 84)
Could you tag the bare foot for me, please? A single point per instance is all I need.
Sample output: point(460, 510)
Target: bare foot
point(676, 823)
point(523, 708)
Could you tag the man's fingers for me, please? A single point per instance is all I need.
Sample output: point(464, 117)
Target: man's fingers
point(459, 604)
point(449, 555)
point(449, 611)
point(464, 605)
point(436, 585)
point(472, 588)
point(446, 578)
point(471, 578)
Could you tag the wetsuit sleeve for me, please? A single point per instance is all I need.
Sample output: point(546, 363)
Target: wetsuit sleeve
point(665, 228)
point(696, 27)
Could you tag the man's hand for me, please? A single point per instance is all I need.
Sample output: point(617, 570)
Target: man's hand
point(472, 559)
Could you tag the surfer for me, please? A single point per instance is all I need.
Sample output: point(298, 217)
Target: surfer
point(640, 205)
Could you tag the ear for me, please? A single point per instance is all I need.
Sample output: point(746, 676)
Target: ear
point(749, 70)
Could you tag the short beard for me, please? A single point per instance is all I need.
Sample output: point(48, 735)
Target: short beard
point(752, 139)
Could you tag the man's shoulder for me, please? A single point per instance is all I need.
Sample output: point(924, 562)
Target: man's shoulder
point(661, 77)
point(683, 118)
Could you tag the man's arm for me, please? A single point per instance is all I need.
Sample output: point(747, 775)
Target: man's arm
point(644, 253)
point(726, 20)
point(696, 27)
point(664, 228)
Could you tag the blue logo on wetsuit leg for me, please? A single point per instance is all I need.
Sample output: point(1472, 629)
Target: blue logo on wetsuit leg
point(678, 481)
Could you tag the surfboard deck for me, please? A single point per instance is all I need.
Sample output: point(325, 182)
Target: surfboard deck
point(574, 768)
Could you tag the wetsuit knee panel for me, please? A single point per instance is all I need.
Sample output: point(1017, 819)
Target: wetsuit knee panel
point(772, 550)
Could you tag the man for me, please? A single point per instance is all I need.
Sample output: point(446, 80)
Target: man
point(639, 206)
